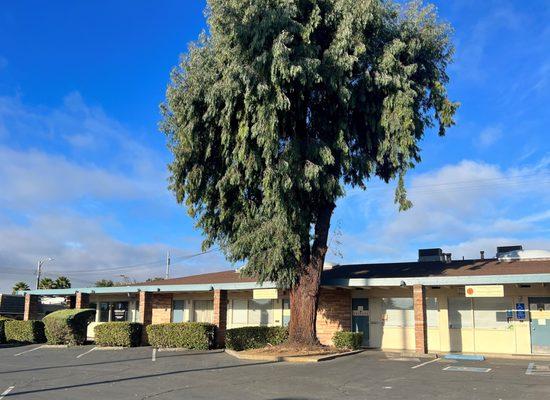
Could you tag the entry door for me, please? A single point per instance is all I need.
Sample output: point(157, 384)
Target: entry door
point(539, 308)
point(360, 318)
point(178, 307)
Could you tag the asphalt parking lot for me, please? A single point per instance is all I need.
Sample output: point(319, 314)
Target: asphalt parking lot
point(30, 372)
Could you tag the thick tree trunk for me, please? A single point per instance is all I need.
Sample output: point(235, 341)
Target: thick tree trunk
point(304, 295)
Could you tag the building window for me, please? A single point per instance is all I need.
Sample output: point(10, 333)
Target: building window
point(104, 312)
point(490, 313)
point(178, 308)
point(432, 312)
point(460, 313)
point(202, 310)
point(260, 312)
point(286, 312)
point(398, 311)
point(113, 311)
point(239, 312)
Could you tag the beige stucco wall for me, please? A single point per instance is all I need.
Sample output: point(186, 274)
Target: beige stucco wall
point(514, 339)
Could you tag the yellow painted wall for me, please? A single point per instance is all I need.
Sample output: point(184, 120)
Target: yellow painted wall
point(514, 339)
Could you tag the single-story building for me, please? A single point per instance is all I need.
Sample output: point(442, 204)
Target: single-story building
point(435, 304)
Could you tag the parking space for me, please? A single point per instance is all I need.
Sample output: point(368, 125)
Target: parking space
point(88, 373)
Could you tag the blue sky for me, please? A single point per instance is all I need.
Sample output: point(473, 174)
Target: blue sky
point(83, 166)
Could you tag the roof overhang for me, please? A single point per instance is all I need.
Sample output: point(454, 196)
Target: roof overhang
point(440, 280)
point(155, 288)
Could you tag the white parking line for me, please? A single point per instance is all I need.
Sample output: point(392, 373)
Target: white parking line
point(154, 356)
point(28, 351)
point(5, 392)
point(425, 363)
point(89, 351)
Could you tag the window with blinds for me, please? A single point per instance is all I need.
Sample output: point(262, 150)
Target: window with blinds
point(260, 312)
point(203, 310)
point(239, 312)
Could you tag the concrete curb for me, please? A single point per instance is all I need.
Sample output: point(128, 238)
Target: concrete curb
point(192, 351)
point(56, 346)
point(111, 348)
point(293, 359)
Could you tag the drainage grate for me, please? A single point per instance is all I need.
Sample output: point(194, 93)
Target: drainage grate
point(540, 370)
point(465, 369)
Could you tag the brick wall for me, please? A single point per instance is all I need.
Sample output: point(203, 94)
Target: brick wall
point(161, 308)
point(333, 313)
point(32, 307)
point(82, 300)
point(420, 325)
point(145, 307)
point(220, 315)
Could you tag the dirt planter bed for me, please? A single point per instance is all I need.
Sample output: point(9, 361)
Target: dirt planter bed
point(278, 354)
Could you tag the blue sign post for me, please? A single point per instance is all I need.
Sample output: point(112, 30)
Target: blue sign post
point(520, 311)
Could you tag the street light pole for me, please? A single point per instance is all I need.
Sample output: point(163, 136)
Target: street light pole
point(39, 270)
point(167, 274)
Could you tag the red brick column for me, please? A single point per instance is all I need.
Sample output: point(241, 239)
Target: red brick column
point(420, 324)
point(145, 313)
point(333, 314)
point(220, 315)
point(82, 300)
point(32, 307)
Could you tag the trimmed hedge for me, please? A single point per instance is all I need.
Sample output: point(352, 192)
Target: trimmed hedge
point(348, 340)
point(68, 326)
point(24, 331)
point(125, 334)
point(2, 335)
point(253, 337)
point(188, 335)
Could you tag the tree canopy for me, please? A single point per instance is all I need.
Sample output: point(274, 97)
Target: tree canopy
point(283, 103)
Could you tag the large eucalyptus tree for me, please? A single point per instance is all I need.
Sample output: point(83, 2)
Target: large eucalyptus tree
point(284, 103)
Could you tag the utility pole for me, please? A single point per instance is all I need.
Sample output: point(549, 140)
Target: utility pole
point(167, 274)
point(39, 270)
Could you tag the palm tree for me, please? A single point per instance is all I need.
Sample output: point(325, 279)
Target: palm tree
point(62, 282)
point(20, 286)
point(47, 283)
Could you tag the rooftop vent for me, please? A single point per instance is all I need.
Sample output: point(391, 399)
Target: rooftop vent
point(524, 255)
point(508, 249)
point(328, 265)
point(425, 255)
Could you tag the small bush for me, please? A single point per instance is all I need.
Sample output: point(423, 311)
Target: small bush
point(348, 340)
point(68, 326)
point(125, 334)
point(24, 331)
point(2, 334)
point(253, 337)
point(188, 335)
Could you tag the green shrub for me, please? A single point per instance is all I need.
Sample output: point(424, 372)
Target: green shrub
point(188, 335)
point(2, 334)
point(125, 334)
point(253, 337)
point(348, 340)
point(68, 326)
point(24, 331)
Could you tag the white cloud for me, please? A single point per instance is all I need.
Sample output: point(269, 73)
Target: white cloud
point(61, 170)
point(489, 136)
point(453, 205)
point(30, 178)
point(84, 252)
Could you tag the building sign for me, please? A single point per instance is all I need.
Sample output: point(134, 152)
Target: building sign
point(360, 312)
point(520, 311)
point(484, 291)
point(265, 294)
